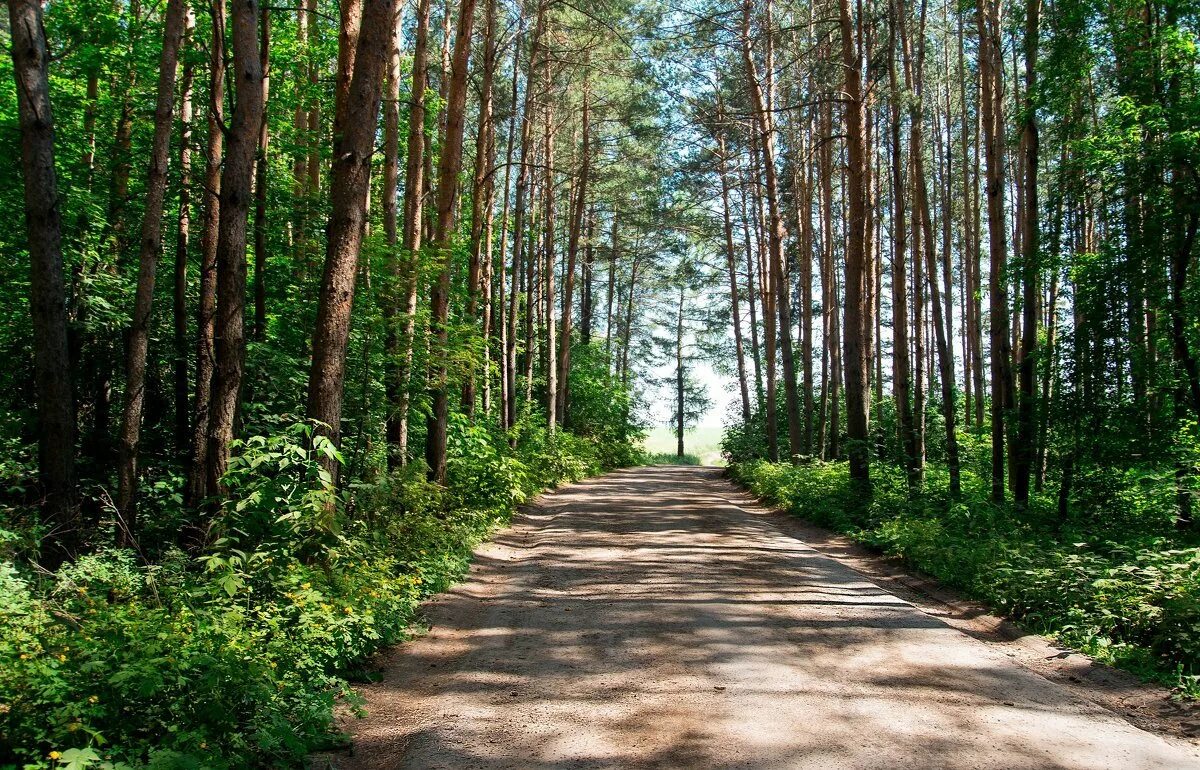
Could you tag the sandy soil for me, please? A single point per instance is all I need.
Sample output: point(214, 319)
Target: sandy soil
point(654, 618)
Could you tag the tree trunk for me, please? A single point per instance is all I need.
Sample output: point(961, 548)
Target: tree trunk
point(581, 187)
point(123, 139)
point(481, 187)
point(449, 165)
point(767, 295)
point(1023, 449)
point(197, 488)
point(182, 245)
point(731, 266)
point(509, 333)
point(228, 328)
point(804, 216)
point(901, 381)
point(587, 305)
point(260, 186)
point(990, 68)
point(350, 181)
point(150, 249)
point(612, 286)
point(751, 293)
point(681, 412)
point(503, 322)
point(300, 122)
point(913, 76)
point(47, 293)
point(857, 314)
point(519, 259)
point(763, 106)
point(393, 371)
point(548, 258)
point(414, 184)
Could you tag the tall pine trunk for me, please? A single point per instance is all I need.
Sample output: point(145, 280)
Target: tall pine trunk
point(1023, 448)
point(353, 148)
point(991, 100)
point(183, 247)
point(47, 293)
point(149, 252)
point(229, 327)
point(857, 361)
point(449, 165)
point(576, 233)
point(206, 310)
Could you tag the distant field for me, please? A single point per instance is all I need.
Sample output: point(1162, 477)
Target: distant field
point(704, 442)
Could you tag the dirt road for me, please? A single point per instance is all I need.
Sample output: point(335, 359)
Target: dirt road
point(647, 619)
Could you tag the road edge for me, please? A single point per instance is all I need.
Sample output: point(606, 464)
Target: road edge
point(1145, 705)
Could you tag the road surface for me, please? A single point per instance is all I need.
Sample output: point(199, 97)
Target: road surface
point(648, 619)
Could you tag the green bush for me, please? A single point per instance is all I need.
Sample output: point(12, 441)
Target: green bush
point(235, 658)
point(1134, 603)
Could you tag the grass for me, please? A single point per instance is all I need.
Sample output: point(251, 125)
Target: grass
point(703, 444)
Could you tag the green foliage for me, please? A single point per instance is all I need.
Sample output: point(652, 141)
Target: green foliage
point(670, 458)
point(236, 658)
point(1133, 601)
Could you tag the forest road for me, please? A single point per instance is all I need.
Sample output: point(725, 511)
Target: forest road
point(652, 618)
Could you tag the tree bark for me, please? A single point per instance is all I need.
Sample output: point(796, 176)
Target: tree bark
point(414, 185)
point(520, 204)
point(857, 315)
point(901, 380)
point(449, 165)
point(731, 265)
point(680, 413)
point(149, 252)
point(576, 232)
point(182, 246)
point(509, 335)
point(228, 328)
point(990, 69)
point(393, 369)
point(350, 182)
point(197, 488)
point(260, 186)
point(548, 256)
point(482, 184)
point(1023, 448)
point(47, 293)
point(913, 76)
point(776, 233)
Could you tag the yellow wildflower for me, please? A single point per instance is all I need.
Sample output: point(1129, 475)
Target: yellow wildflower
point(54, 755)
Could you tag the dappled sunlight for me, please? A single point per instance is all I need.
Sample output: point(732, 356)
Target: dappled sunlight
point(644, 620)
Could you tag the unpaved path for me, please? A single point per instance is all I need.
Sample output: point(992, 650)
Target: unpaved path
point(646, 619)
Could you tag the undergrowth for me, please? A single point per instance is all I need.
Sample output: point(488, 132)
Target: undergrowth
point(235, 656)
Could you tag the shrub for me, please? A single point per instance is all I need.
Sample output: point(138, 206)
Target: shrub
point(236, 658)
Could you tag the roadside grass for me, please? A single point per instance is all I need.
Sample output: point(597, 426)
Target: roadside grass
point(237, 658)
point(703, 444)
point(670, 458)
